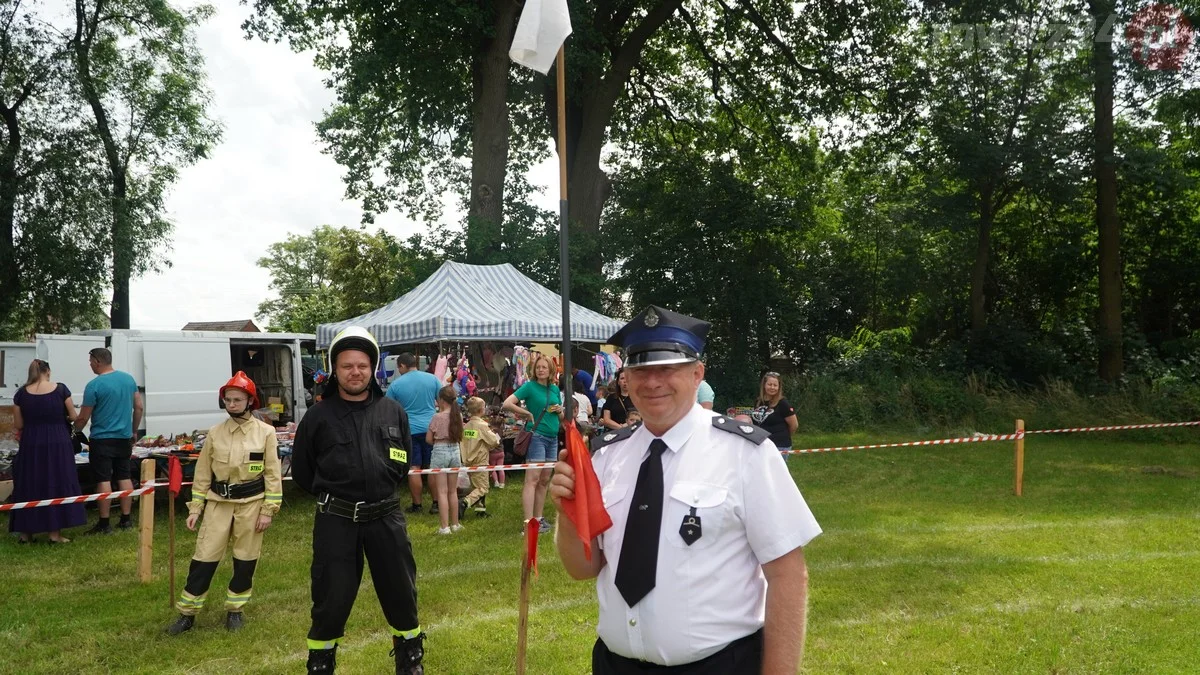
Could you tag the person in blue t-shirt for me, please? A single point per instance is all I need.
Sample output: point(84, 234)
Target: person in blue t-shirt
point(417, 391)
point(113, 405)
point(584, 380)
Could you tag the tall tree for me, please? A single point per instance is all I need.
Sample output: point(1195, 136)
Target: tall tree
point(27, 59)
point(1108, 224)
point(411, 84)
point(996, 103)
point(421, 87)
point(142, 76)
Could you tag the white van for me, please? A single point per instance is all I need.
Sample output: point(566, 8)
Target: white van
point(179, 372)
point(14, 368)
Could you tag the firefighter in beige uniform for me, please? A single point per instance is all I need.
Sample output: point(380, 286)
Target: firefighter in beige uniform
point(238, 487)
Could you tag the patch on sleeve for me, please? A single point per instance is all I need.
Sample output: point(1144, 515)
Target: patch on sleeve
point(755, 435)
point(612, 436)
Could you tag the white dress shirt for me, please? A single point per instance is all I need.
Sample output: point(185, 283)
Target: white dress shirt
point(713, 592)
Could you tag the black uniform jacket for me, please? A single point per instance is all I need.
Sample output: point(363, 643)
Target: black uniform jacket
point(355, 450)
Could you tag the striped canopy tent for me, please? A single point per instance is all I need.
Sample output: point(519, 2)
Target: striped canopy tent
point(461, 302)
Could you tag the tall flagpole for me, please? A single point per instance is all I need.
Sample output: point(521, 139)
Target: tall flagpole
point(564, 261)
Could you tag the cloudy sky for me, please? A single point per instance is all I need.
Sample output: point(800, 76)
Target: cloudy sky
point(267, 179)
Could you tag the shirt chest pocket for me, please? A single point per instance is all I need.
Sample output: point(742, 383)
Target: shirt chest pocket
point(615, 498)
point(393, 444)
point(695, 515)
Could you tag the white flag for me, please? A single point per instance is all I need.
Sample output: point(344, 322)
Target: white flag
point(543, 27)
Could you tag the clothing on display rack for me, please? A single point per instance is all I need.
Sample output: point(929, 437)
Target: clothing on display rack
point(606, 367)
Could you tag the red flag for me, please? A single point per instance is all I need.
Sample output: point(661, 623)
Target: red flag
point(586, 510)
point(531, 541)
point(174, 476)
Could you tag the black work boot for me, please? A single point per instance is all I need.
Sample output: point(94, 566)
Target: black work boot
point(234, 621)
point(181, 625)
point(322, 660)
point(409, 652)
point(462, 508)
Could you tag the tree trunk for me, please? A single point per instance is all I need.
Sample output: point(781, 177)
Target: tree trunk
point(489, 137)
point(122, 239)
point(987, 216)
point(1111, 364)
point(10, 280)
point(588, 119)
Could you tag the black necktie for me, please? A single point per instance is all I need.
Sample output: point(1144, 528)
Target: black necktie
point(639, 550)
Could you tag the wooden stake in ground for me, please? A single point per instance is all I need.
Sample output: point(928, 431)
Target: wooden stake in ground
point(146, 524)
point(528, 564)
point(1020, 458)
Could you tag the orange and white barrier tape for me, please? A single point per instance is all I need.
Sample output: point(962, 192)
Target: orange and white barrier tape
point(79, 499)
point(1123, 427)
point(981, 438)
point(985, 438)
point(481, 469)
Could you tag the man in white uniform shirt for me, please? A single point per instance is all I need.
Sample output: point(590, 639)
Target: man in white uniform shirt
point(702, 570)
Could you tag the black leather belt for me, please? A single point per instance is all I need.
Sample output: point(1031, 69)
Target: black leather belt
point(359, 512)
point(239, 490)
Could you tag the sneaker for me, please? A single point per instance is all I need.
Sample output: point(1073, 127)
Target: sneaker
point(433, 508)
point(444, 530)
point(499, 486)
point(100, 528)
point(544, 527)
point(457, 527)
point(415, 508)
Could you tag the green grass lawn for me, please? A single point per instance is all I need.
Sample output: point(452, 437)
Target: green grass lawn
point(928, 564)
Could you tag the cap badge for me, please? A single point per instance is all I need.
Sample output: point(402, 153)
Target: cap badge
point(651, 318)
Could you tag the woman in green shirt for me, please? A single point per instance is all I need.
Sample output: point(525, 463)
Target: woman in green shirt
point(542, 399)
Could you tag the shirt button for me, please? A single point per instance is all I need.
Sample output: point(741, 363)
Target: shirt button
point(633, 622)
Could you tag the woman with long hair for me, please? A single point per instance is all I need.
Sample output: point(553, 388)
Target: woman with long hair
point(45, 463)
point(542, 400)
point(773, 413)
point(617, 405)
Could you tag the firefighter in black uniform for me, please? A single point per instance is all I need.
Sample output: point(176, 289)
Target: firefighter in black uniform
point(351, 451)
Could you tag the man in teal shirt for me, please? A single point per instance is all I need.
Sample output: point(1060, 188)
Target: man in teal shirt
point(416, 391)
point(705, 395)
point(113, 405)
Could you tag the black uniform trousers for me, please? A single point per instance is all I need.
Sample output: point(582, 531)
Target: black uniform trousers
point(740, 657)
point(339, 545)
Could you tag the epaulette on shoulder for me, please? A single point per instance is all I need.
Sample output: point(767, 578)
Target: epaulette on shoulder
point(612, 436)
point(755, 435)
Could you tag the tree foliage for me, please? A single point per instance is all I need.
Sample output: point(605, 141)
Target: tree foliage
point(100, 111)
point(333, 274)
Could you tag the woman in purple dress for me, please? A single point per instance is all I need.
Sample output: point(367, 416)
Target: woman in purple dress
point(45, 463)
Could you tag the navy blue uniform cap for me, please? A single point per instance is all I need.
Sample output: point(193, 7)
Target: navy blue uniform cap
point(660, 337)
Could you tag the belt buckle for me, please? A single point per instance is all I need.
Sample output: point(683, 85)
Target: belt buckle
point(223, 490)
point(355, 516)
point(323, 503)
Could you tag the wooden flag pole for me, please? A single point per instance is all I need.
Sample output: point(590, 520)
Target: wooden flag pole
point(564, 259)
point(523, 614)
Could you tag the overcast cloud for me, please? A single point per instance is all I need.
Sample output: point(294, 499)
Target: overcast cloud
point(267, 179)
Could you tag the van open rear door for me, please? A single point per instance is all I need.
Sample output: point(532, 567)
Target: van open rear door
point(182, 379)
point(68, 359)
